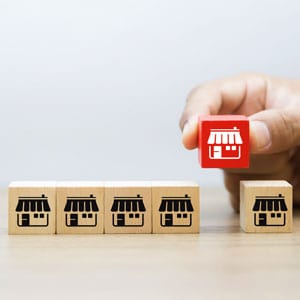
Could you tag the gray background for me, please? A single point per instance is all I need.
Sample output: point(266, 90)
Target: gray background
point(94, 89)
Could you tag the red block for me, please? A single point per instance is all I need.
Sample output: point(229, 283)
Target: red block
point(224, 141)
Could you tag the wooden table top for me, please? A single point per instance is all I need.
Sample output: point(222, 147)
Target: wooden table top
point(221, 262)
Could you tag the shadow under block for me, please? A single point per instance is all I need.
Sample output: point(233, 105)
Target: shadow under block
point(175, 207)
point(32, 208)
point(266, 206)
point(127, 207)
point(80, 207)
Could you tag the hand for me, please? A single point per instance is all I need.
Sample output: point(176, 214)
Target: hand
point(273, 108)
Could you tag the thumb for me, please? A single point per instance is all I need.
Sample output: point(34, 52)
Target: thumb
point(274, 130)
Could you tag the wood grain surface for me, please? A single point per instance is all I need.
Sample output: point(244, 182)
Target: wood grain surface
point(222, 262)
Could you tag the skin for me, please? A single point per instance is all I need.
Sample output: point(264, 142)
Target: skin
point(273, 107)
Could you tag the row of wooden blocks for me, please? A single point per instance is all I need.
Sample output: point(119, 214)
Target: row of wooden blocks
point(138, 207)
point(103, 207)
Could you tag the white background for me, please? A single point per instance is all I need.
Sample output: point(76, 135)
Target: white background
point(95, 89)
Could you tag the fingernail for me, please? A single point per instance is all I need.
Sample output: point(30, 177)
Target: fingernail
point(260, 134)
point(186, 128)
point(189, 125)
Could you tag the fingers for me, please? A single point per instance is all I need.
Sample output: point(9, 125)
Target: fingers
point(211, 98)
point(190, 133)
point(197, 105)
point(265, 164)
point(275, 130)
point(274, 123)
point(296, 178)
point(274, 109)
point(244, 94)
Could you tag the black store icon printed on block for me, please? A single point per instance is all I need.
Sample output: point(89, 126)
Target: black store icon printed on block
point(81, 211)
point(176, 211)
point(128, 211)
point(270, 211)
point(33, 211)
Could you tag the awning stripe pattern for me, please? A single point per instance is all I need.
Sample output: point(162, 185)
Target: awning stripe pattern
point(176, 205)
point(28, 204)
point(269, 204)
point(124, 204)
point(225, 137)
point(81, 205)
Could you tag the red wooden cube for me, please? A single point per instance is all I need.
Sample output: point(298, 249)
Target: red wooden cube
point(224, 141)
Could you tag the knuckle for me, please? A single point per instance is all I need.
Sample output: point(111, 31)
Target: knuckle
point(194, 92)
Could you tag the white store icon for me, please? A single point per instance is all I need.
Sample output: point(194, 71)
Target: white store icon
point(225, 143)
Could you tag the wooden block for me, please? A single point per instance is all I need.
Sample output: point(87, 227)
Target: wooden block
point(80, 207)
point(127, 207)
point(175, 207)
point(32, 208)
point(266, 206)
point(224, 141)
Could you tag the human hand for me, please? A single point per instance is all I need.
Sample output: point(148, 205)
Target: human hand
point(273, 107)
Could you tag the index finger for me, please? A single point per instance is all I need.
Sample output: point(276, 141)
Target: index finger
point(228, 96)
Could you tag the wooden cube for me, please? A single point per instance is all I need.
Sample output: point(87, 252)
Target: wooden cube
point(80, 207)
point(127, 207)
point(266, 206)
point(175, 207)
point(32, 208)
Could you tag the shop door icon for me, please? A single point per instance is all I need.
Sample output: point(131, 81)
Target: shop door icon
point(217, 154)
point(120, 219)
point(262, 219)
point(25, 220)
point(73, 220)
point(168, 220)
point(225, 143)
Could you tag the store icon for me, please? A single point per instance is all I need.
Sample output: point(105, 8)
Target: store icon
point(176, 211)
point(270, 211)
point(81, 211)
point(128, 211)
point(33, 211)
point(225, 143)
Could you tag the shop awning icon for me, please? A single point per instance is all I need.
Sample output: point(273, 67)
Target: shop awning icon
point(176, 211)
point(269, 211)
point(81, 211)
point(33, 211)
point(225, 143)
point(128, 211)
